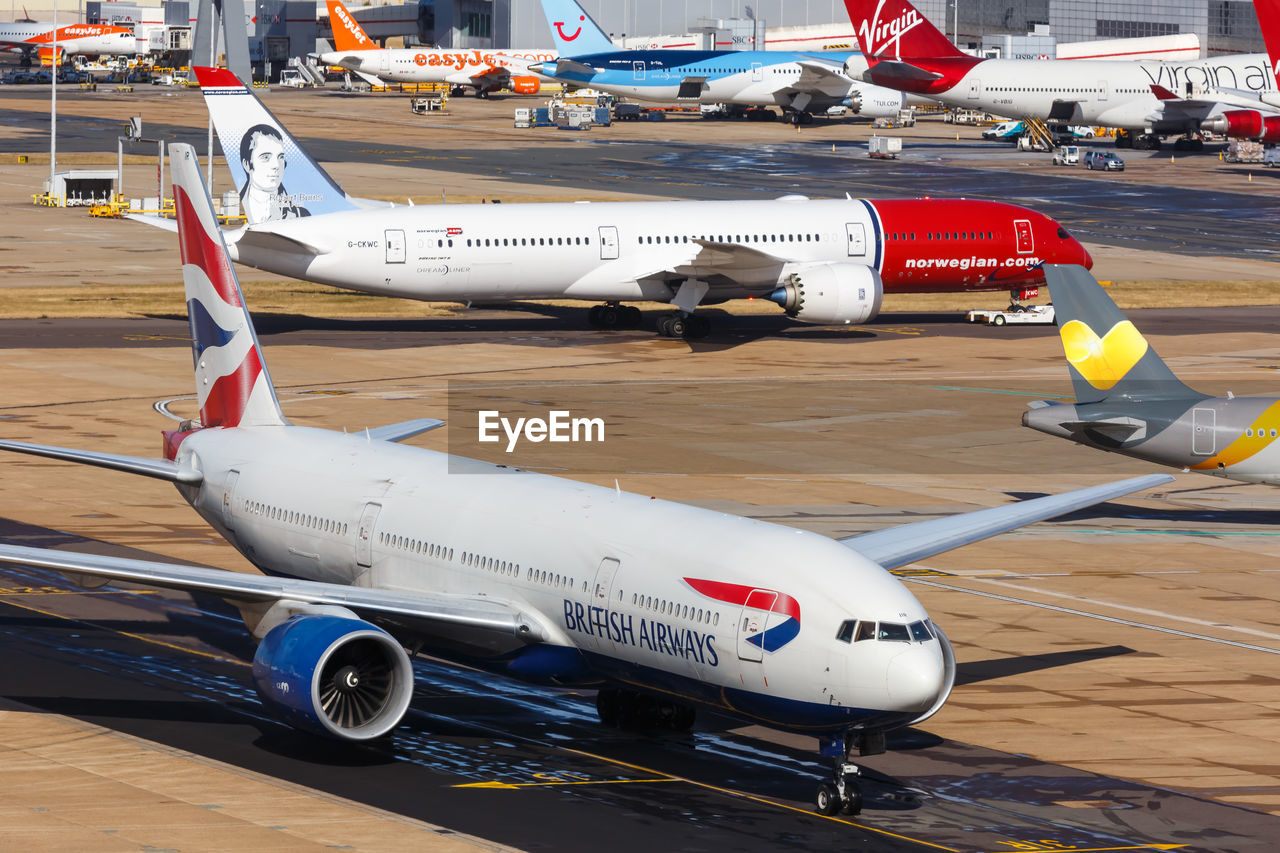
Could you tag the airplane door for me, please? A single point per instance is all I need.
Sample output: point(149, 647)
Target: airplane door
point(608, 243)
point(601, 593)
point(386, 63)
point(637, 72)
point(975, 89)
point(1202, 431)
point(757, 72)
point(228, 500)
point(364, 534)
point(1022, 234)
point(1102, 90)
point(753, 621)
point(395, 246)
point(857, 235)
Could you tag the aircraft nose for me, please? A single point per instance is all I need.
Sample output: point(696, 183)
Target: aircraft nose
point(1087, 259)
point(917, 678)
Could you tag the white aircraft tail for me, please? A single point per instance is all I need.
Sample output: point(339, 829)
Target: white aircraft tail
point(232, 382)
point(264, 158)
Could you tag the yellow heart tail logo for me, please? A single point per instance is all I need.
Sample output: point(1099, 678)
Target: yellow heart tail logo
point(1103, 361)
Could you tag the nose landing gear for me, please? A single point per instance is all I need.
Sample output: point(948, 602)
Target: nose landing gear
point(842, 793)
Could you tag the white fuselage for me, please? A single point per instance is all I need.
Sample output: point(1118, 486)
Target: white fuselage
point(428, 65)
point(603, 572)
point(87, 39)
point(613, 251)
point(1110, 93)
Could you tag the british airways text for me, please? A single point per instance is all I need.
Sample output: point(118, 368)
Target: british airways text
point(652, 635)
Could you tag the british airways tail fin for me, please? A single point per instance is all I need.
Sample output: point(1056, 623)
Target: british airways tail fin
point(573, 30)
point(276, 177)
point(894, 29)
point(232, 382)
point(347, 32)
point(1109, 358)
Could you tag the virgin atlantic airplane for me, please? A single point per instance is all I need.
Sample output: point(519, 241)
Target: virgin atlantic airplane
point(823, 261)
point(374, 547)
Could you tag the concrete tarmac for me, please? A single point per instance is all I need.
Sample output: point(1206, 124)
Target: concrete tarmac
point(1119, 666)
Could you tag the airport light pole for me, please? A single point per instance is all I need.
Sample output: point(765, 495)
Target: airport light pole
point(53, 101)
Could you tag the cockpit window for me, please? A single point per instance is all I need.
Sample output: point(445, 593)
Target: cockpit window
point(866, 631)
point(920, 632)
point(845, 634)
point(893, 632)
point(1063, 234)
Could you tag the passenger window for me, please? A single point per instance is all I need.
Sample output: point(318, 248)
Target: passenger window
point(845, 634)
point(866, 631)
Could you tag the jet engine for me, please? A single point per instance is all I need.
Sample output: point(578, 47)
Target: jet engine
point(1237, 124)
point(1270, 130)
point(831, 293)
point(334, 676)
point(525, 85)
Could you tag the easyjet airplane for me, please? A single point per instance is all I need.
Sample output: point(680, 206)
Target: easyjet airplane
point(373, 547)
point(87, 39)
point(904, 51)
point(825, 262)
point(1129, 402)
point(483, 71)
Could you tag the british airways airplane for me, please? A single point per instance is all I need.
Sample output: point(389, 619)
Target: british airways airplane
point(368, 547)
point(799, 83)
point(822, 261)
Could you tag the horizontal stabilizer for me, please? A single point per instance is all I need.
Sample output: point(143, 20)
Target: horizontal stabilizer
point(434, 608)
point(154, 221)
point(161, 469)
point(267, 240)
point(571, 66)
point(407, 429)
point(907, 543)
point(1119, 429)
point(1162, 93)
point(894, 69)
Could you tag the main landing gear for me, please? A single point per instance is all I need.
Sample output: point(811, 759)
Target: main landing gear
point(799, 117)
point(681, 325)
point(611, 315)
point(628, 709)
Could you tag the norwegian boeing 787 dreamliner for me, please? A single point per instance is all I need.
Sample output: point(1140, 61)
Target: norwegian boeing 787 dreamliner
point(823, 261)
point(373, 546)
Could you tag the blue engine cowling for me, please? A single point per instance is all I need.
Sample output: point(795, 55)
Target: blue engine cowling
point(334, 676)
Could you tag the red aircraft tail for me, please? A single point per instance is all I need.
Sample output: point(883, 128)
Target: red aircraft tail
point(894, 29)
point(1269, 21)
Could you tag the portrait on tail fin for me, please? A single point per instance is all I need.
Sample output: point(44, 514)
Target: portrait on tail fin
point(263, 197)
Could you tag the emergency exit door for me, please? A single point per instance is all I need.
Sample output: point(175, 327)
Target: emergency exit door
point(395, 246)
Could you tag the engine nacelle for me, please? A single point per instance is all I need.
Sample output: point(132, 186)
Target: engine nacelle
point(1237, 124)
point(334, 676)
point(525, 85)
point(1270, 130)
point(831, 293)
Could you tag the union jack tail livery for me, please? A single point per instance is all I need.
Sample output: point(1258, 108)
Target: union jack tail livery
point(573, 30)
point(232, 382)
point(894, 29)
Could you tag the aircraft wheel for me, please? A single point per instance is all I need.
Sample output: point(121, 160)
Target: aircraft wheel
point(631, 316)
point(609, 316)
point(593, 315)
point(806, 118)
point(827, 800)
point(852, 804)
point(677, 326)
point(607, 706)
point(664, 325)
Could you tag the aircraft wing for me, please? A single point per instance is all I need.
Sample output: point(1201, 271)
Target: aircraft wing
point(440, 609)
point(727, 259)
point(823, 78)
point(407, 429)
point(907, 543)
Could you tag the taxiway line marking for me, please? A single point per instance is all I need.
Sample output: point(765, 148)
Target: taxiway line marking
point(1089, 849)
point(128, 634)
point(762, 800)
point(1113, 619)
point(501, 786)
